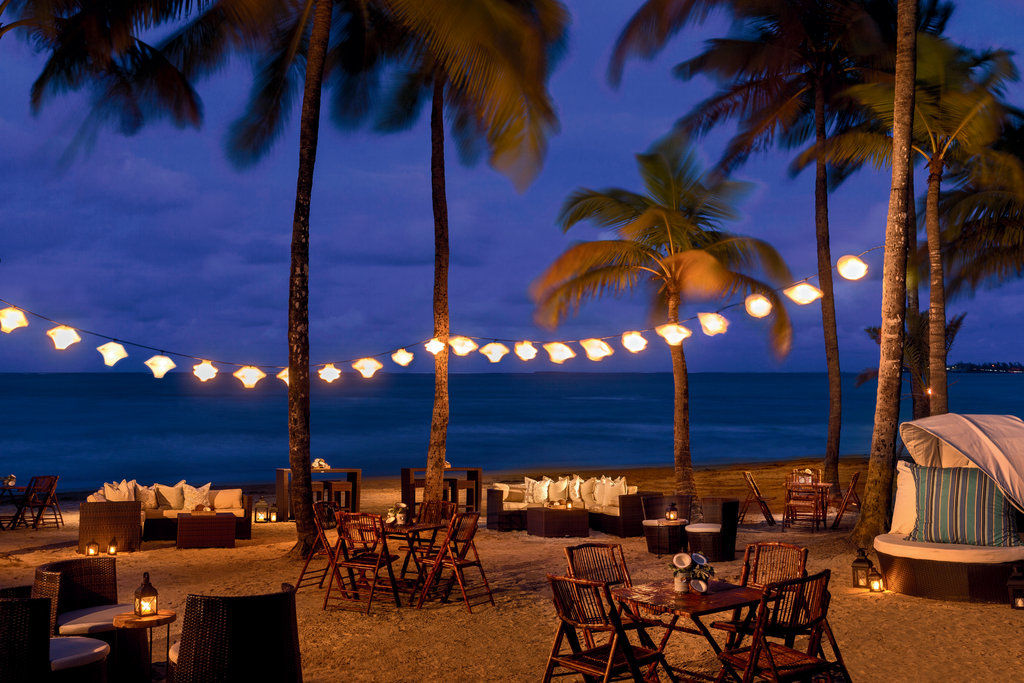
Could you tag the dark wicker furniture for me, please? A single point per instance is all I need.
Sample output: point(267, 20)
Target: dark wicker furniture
point(114, 520)
point(500, 519)
point(557, 522)
point(665, 538)
point(206, 531)
point(958, 581)
point(453, 555)
point(719, 546)
point(754, 496)
point(629, 521)
point(166, 528)
point(238, 638)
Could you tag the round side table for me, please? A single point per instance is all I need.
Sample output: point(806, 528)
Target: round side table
point(665, 537)
point(164, 617)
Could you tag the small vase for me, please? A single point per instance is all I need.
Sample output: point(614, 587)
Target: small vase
point(400, 518)
point(681, 584)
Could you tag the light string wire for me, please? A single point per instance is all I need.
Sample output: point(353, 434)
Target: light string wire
point(268, 366)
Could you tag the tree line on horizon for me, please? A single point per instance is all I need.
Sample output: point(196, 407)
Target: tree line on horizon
point(838, 84)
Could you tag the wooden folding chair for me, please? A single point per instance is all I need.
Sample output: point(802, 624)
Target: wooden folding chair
point(454, 555)
point(587, 605)
point(41, 496)
point(364, 555)
point(325, 517)
point(754, 494)
point(848, 500)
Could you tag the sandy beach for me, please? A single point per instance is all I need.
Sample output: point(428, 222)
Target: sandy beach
point(883, 637)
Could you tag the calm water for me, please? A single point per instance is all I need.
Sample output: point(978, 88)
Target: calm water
point(90, 428)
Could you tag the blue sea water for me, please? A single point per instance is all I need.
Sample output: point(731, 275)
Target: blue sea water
point(90, 428)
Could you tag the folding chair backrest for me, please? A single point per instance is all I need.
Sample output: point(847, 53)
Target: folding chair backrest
point(436, 512)
point(362, 531)
point(802, 605)
point(603, 562)
point(853, 483)
point(325, 517)
point(581, 603)
point(752, 484)
point(771, 562)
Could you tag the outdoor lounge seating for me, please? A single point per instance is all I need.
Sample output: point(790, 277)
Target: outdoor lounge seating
point(715, 537)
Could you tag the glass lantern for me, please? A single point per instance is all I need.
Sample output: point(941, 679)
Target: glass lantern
point(92, 548)
point(861, 568)
point(145, 598)
point(1015, 586)
point(875, 583)
point(261, 511)
point(272, 513)
point(671, 512)
point(112, 547)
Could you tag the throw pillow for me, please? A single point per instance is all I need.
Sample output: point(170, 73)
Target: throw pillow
point(170, 497)
point(125, 490)
point(599, 487)
point(226, 499)
point(558, 490)
point(540, 491)
point(904, 511)
point(147, 496)
point(531, 490)
point(612, 491)
point(194, 496)
point(516, 495)
point(574, 487)
point(587, 491)
point(961, 505)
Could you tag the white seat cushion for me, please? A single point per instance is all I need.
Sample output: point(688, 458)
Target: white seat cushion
point(703, 528)
point(172, 654)
point(665, 522)
point(90, 620)
point(507, 505)
point(896, 545)
point(72, 652)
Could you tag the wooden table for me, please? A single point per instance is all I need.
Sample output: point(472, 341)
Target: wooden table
point(410, 534)
point(206, 531)
point(282, 488)
point(164, 617)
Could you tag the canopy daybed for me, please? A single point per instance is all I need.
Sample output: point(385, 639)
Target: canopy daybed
point(949, 571)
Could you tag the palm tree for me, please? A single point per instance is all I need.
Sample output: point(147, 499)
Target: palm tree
point(669, 242)
point(878, 485)
point(517, 149)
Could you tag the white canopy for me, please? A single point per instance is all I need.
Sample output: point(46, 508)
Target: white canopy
point(992, 443)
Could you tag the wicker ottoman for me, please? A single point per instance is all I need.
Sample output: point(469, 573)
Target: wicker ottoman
point(557, 523)
point(665, 537)
point(206, 531)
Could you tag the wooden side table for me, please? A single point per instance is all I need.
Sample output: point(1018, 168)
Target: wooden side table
point(557, 522)
point(164, 617)
point(206, 531)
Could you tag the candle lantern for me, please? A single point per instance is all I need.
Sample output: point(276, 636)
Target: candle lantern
point(1015, 585)
point(145, 598)
point(568, 504)
point(671, 512)
point(875, 583)
point(92, 548)
point(272, 513)
point(112, 547)
point(861, 568)
point(261, 511)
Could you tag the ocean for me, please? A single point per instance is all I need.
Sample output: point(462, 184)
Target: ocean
point(90, 428)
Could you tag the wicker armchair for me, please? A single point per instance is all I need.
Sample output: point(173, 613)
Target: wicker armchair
point(112, 520)
point(76, 584)
point(238, 638)
point(719, 545)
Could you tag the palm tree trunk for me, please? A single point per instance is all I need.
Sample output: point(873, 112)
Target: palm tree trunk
point(439, 419)
point(298, 286)
point(878, 487)
point(939, 399)
point(828, 301)
point(918, 398)
point(685, 483)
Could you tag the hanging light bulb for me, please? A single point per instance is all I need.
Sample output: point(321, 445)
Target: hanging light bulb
point(112, 352)
point(634, 342)
point(329, 373)
point(672, 333)
point(283, 376)
point(11, 319)
point(494, 351)
point(402, 357)
point(367, 366)
point(559, 352)
point(160, 365)
point(63, 337)
point(803, 293)
point(249, 376)
point(462, 345)
point(204, 370)
point(712, 323)
point(851, 267)
point(434, 346)
point(757, 305)
point(596, 349)
point(525, 350)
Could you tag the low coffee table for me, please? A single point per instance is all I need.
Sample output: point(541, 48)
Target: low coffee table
point(557, 522)
point(665, 537)
point(206, 531)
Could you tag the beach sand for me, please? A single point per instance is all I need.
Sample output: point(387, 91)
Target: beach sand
point(883, 637)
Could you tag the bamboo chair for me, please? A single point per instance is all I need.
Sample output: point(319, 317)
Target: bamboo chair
point(454, 555)
point(848, 500)
point(800, 605)
point(754, 495)
point(363, 556)
point(41, 496)
point(587, 605)
point(325, 517)
point(801, 505)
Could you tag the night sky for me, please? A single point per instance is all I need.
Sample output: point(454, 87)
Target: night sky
point(158, 239)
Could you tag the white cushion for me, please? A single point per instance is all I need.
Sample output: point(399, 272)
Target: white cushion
point(504, 488)
point(172, 654)
point(630, 490)
point(651, 522)
point(558, 490)
point(516, 494)
point(147, 496)
point(666, 522)
point(894, 544)
point(904, 510)
point(613, 491)
point(587, 491)
point(194, 496)
point(226, 498)
point(599, 487)
point(531, 485)
point(520, 505)
point(125, 490)
point(90, 619)
point(97, 497)
point(170, 496)
point(540, 490)
point(72, 652)
point(575, 481)
point(703, 528)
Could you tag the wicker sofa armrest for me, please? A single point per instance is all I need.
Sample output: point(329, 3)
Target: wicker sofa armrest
point(111, 520)
point(631, 513)
point(243, 524)
point(495, 506)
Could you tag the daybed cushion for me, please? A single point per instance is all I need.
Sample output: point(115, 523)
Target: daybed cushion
point(904, 511)
point(703, 528)
point(896, 545)
point(125, 490)
point(73, 652)
point(225, 499)
point(170, 496)
point(99, 619)
point(172, 654)
point(147, 496)
point(961, 505)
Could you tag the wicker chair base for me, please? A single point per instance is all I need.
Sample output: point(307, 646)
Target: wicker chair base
point(709, 544)
point(958, 581)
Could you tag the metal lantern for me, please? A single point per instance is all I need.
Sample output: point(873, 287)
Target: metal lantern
point(261, 511)
point(1015, 586)
point(875, 583)
point(145, 598)
point(861, 568)
point(92, 548)
point(272, 513)
point(568, 504)
point(112, 547)
point(671, 512)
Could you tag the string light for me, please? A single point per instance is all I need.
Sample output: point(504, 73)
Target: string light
point(205, 371)
point(434, 346)
point(713, 323)
point(112, 352)
point(672, 333)
point(462, 345)
point(329, 373)
point(283, 376)
point(803, 293)
point(634, 342)
point(402, 357)
point(596, 349)
point(11, 319)
point(494, 351)
point(249, 376)
point(525, 350)
point(160, 365)
point(367, 366)
point(851, 267)
point(757, 305)
point(63, 336)
point(559, 352)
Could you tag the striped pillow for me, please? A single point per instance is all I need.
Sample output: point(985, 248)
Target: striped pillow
point(961, 505)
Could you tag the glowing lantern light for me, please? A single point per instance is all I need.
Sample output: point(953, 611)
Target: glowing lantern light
point(757, 305)
point(204, 371)
point(160, 365)
point(434, 346)
point(402, 357)
point(712, 323)
point(11, 319)
point(672, 333)
point(559, 352)
point(462, 345)
point(634, 342)
point(112, 352)
point(63, 337)
point(803, 293)
point(367, 366)
point(283, 376)
point(494, 351)
point(329, 373)
point(525, 350)
point(249, 376)
point(851, 267)
point(596, 349)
